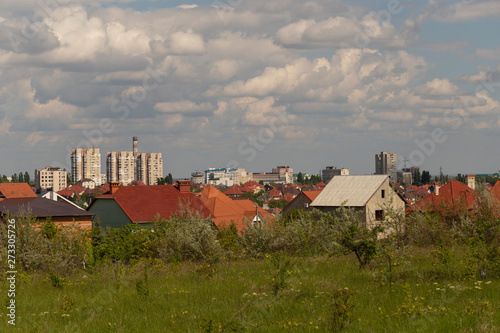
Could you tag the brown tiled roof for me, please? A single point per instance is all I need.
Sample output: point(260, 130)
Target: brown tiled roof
point(16, 190)
point(495, 191)
point(223, 210)
point(40, 207)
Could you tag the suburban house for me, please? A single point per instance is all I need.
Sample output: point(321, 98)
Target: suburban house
point(302, 201)
point(18, 199)
point(142, 204)
point(224, 210)
point(370, 195)
point(452, 199)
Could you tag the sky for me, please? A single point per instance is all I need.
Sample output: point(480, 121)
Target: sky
point(252, 84)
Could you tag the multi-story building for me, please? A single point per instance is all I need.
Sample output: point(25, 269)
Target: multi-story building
point(86, 164)
point(386, 164)
point(50, 178)
point(330, 171)
point(279, 175)
point(127, 166)
point(285, 171)
point(197, 177)
point(120, 167)
point(149, 167)
point(225, 176)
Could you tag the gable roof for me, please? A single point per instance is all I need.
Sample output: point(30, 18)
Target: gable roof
point(16, 190)
point(311, 195)
point(495, 191)
point(40, 207)
point(223, 209)
point(354, 191)
point(233, 191)
point(143, 203)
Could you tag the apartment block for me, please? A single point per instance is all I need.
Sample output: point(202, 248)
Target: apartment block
point(149, 167)
point(86, 164)
point(225, 176)
point(50, 178)
point(120, 167)
point(386, 164)
point(127, 166)
point(331, 171)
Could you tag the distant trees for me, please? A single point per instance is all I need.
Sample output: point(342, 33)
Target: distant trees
point(417, 179)
point(300, 178)
point(461, 178)
point(167, 180)
point(426, 177)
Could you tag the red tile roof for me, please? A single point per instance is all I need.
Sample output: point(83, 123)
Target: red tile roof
point(77, 189)
point(251, 183)
point(66, 192)
point(249, 207)
point(233, 191)
point(145, 203)
point(453, 198)
point(223, 209)
point(311, 195)
point(495, 191)
point(16, 190)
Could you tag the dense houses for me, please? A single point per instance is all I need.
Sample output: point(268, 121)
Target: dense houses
point(128, 194)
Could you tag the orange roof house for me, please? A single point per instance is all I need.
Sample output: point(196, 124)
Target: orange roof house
point(452, 199)
point(16, 191)
point(225, 211)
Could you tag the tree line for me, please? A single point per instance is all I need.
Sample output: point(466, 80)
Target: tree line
point(21, 177)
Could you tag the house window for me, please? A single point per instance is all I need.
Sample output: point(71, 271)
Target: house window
point(383, 194)
point(379, 215)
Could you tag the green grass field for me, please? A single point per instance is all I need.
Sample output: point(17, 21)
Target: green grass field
point(273, 294)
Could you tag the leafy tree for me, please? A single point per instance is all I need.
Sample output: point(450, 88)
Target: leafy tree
point(160, 181)
point(169, 179)
point(416, 177)
point(69, 181)
point(426, 177)
point(21, 177)
point(461, 178)
point(14, 178)
point(300, 178)
point(27, 177)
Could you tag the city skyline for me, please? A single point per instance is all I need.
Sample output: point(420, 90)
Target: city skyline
point(252, 84)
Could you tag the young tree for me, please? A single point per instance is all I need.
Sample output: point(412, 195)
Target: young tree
point(169, 179)
point(300, 178)
point(27, 177)
point(416, 177)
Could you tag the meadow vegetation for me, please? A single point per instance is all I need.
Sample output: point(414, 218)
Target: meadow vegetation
point(307, 271)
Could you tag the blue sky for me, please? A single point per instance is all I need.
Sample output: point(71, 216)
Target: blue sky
point(252, 83)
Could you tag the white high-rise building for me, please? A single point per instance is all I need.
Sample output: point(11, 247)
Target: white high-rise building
point(120, 167)
point(127, 166)
point(149, 167)
point(50, 178)
point(86, 164)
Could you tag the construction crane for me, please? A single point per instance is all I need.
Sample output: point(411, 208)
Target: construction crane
point(406, 160)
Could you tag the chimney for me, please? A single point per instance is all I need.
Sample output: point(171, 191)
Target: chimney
point(436, 188)
point(471, 181)
point(113, 187)
point(135, 146)
point(184, 186)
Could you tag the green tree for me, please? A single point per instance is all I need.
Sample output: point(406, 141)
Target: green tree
point(160, 181)
point(426, 177)
point(21, 177)
point(461, 178)
point(416, 177)
point(169, 179)
point(27, 177)
point(300, 178)
point(14, 178)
